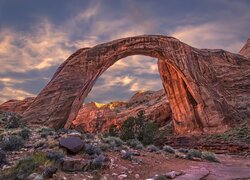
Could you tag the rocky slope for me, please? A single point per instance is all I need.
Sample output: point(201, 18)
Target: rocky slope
point(94, 117)
point(17, 106)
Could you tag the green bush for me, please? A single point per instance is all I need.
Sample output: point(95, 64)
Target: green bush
point(131, 128)
point(25, 167)
point(134, 143)
point(24, 133)
point(209, 156)
point(116, 141)
point(148, 133)
point(194, 153)
point(113, 130)
point(14, 122)
point(139, 128)
point(12, 143)
point(168, 149)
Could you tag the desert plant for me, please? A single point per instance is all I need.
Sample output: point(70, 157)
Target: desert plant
point(115, 141)
point(91, 149)
point(152, 148)
point(12, 143)
point(55, 156)
point(148, 133)
point(209, 156)
point(194, 153)
point(168, 149)
point(134, 143)
point(24, 133)
point(25, 167)
point(113, 130)
point(13, 122)
point(45, 131)
point(98, 162)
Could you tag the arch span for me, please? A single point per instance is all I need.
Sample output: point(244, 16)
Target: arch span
point(199, 99)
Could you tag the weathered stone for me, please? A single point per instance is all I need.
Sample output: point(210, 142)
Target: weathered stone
point(72, 144)
point(35, 176)
point(173, 174)
point(208, 90)
point(71, 164)
point(17, 106)
point(245, 51)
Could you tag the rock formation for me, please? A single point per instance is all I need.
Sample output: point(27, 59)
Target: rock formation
point(94, 117)
point(245, 51)
point(207, 89)
point(17, 106)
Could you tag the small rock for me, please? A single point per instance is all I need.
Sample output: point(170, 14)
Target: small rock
point(114, 174)
point(35, 176)
point(49, 171)
point(173, 174)
point(71, 164)
point(122, 176)
point(72, 144)
point(137, 176)
point(126, 155)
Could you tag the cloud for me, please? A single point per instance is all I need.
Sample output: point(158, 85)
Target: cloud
point(8, 93)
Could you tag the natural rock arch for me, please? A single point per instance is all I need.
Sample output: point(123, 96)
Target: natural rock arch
point(203, 92)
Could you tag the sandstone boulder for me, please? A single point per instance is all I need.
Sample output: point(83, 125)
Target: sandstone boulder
point(72, 144)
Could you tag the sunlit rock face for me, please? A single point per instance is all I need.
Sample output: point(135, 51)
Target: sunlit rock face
point(245, 51)
point(95, 117)
point(17, 106)
point(207, 89)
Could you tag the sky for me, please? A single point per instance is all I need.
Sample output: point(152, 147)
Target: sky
point(37, 36)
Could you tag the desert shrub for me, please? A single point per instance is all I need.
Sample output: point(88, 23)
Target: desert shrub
point(91, 149)
point(130, 128)
point(24, 133)
point(168, 149)
point(209, 156)
point(148, 133)
point(183, 150)
point(161, 177)
point(152, 148)
point(98, 162)
point(45, 131)
point(240, 133)
point(25, 167)
point(194, 153)
point(113, 130)
point(134, 143)
point(3, 158)
point(13, 122)
point(55, 156)
point(115, 141)
point(12, 143)
point(139, 128)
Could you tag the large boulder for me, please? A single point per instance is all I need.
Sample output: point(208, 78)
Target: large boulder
point(72, 144)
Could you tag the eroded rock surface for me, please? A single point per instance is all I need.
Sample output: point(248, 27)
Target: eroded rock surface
point(17, 106)
point(207, 89)
point(95, 117)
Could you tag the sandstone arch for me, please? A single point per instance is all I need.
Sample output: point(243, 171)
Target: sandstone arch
point(207, 89)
